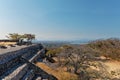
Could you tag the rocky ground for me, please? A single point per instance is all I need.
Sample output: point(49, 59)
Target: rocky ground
point(10, 49)
point(104, 70)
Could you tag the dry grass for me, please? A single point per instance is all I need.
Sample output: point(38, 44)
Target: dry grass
point(59, 74)
point(7, 43)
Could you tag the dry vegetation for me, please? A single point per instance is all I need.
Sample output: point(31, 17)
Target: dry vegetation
point(109, 48)
point(97, 60)
point(7, 43)
point(58, 73)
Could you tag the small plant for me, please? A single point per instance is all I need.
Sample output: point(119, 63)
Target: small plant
point(113, 72)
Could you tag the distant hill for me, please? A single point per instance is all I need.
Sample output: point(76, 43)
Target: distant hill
point(109, 48)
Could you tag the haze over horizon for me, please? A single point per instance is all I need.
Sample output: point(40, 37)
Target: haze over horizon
point(61, 19)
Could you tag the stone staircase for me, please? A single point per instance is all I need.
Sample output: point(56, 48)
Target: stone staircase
point(23, 67)
point(29, 75)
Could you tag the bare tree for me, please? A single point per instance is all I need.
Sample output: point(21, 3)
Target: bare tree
point(76, 58)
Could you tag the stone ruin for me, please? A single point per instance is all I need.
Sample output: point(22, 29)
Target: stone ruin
point(20, 64)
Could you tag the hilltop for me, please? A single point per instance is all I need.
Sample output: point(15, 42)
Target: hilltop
point(96, 60)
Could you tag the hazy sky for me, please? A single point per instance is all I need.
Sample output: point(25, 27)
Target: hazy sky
point(61, 19)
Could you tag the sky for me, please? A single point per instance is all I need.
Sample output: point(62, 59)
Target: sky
point(61, 19)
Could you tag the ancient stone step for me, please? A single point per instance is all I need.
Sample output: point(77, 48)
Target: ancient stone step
point(16, 65)
point(18, 73)
point(4, 67)
point(28, 56)
point(44, 79)
point(10, 70)
point(6, 57)
point(37, 55)
point(38, 78)
point(29, 75)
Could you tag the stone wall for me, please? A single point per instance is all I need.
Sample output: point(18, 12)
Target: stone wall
point(9, 59)
point(24, 59)
point(38, 55)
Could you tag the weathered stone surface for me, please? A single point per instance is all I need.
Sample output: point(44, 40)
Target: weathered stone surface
point(19, 65)
point(4, 58)
point(38, 78)
point(8, 59)
point(38, 55)
point(29, 75)
point(18, 73)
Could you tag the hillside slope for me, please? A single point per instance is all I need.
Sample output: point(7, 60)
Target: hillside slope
point(59, 74)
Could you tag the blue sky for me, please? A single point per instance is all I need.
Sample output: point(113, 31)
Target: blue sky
point(61, 19)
